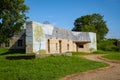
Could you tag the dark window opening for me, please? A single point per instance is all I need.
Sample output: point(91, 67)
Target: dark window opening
point(48, 46)
point(67, 46)
point(56, 46)
point(20, 43)
point(60, 46)
point(81, 46)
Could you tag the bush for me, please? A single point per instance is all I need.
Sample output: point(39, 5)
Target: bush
point(118, 49)
point(108, 45)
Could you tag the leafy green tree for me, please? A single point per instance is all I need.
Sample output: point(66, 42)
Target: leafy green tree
point(92, 23)
point(12, 18)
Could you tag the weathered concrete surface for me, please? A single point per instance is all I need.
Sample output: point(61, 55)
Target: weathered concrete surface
point(110, 73)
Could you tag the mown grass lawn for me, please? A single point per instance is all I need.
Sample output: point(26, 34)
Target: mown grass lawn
point(49, 68)
point(113, 56)
point(110, 55)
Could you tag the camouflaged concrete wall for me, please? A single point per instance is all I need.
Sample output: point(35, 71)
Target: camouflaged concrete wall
point(29, 37)
point(39, 44)
point(52, 32)
point(32, 44)
point(65, 46)
point(13, 42)
point(93, 44)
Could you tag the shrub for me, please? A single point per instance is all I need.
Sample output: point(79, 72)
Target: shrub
point(108, 45)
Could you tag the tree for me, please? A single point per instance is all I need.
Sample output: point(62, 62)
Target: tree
point(12, 18)
point(38, 34)
point(92, 23)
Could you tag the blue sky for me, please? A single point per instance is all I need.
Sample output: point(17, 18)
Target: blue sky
point(62, 13)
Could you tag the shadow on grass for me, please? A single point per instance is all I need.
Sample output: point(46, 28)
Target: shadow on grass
point(26, 57)
point(13, 51)
point(16, 54)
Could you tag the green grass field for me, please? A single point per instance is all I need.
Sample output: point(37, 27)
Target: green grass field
point(113, 56)
point(49, 68)
point(110, 55)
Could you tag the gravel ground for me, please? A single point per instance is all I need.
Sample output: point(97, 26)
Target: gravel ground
point(109, 73)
